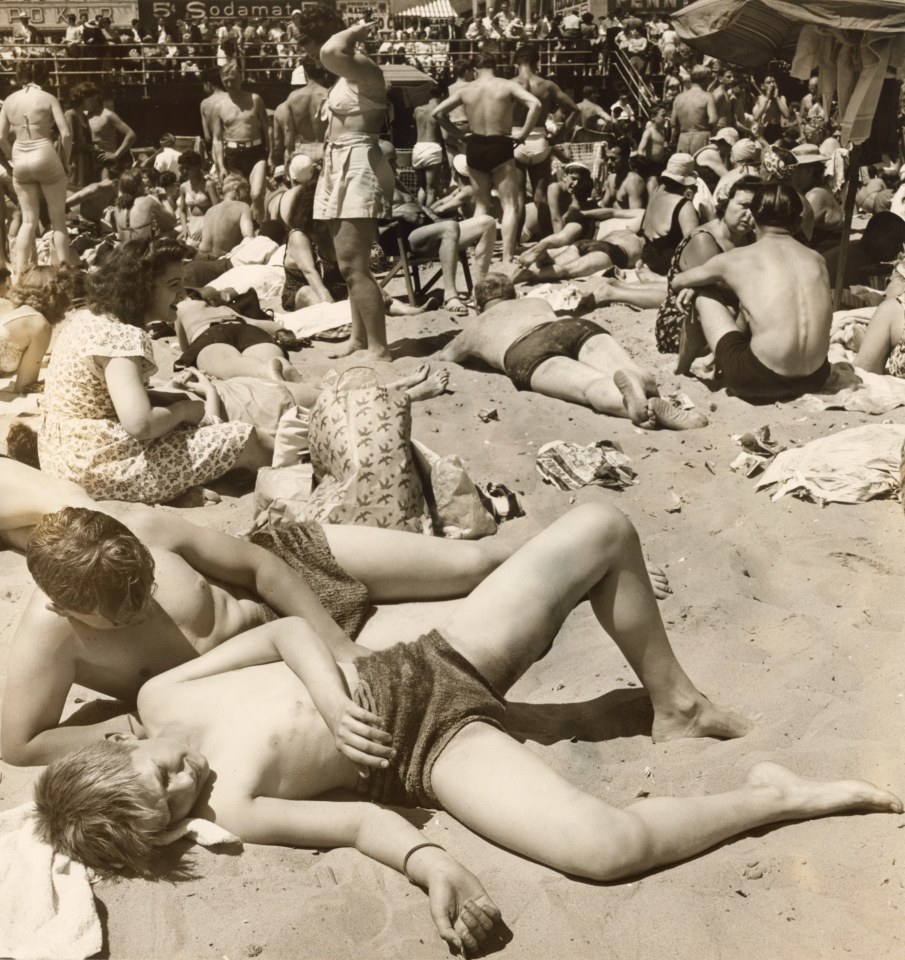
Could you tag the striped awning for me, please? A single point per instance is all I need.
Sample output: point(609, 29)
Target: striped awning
point(750, 33)
point(432, 10)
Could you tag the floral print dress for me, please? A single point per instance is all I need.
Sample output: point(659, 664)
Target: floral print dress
point(81, 438)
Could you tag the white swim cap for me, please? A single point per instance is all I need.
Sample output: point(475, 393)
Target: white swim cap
point(301, 169)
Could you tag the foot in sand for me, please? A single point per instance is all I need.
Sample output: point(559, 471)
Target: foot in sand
point(419, 375)
point(433, 386)
point(802, 798)
point(347, 349)
point(700, 719)
point(634, 397)
point(659, 582)
point(456, 307)
point(674, 417)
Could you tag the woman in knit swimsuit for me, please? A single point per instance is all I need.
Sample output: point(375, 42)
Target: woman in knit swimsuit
point(38, 169)
point(355, 189)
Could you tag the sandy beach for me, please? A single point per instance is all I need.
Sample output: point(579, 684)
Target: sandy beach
point(789, 613)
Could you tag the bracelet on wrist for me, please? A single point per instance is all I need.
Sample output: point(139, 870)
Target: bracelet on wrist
point(407, 857)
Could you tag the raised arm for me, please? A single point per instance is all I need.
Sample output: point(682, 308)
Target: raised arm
point(41, 671)
point(339, 55)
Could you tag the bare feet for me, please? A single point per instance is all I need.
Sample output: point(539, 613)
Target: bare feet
point(419, 375)
point(674, 417)
point(701, 719)
point(347, 349)
point(659, 582)
point(634, 398)
point(433, 386)
point(801, 798)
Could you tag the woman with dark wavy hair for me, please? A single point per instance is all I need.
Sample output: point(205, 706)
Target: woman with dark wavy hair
point(39, 297)
point(38, 169)
point(103, 426)
point(355, 189)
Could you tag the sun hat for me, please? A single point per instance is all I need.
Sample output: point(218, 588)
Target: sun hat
point(745, 151)
point(808, 153)
point(680, 167)
point(727, 134)
point(301, 169)
point(778, 163)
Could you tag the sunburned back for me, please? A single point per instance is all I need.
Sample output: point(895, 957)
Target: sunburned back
point(784, 291)
point(489, 104)
point(260, 731)
point(491, 334)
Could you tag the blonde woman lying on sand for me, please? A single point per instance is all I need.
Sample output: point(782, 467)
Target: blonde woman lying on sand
point(256, 733)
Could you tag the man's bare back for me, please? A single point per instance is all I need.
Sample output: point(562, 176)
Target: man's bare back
point(224, 226)
point(490, 334)
point(427, 126)
point(489, 103)
point(304, 108)
point(694, 110)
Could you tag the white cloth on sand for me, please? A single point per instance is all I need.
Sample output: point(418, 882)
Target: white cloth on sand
point(316, 319)
point(267, 280)
point(48, 908)
point(851, 466)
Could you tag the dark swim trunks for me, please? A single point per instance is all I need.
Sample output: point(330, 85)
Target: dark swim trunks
point(616, 254)
point(242, 159)
point(487, 153)
point(235, 333)
point(558, 338)
point(425, 692)
point(746, 377)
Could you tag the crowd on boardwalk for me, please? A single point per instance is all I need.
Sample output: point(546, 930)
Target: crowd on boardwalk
point(714, 198)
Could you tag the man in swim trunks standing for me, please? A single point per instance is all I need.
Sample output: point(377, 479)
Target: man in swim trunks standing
point(241, 131)
point(464, 71)
point(427, 154)
point(568, 359)
point(489, 104)
point(784, 307)
point(533, 156)
point(694, 114)
point(110, 156)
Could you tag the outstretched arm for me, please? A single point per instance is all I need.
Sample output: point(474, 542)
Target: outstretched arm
point(463, 913)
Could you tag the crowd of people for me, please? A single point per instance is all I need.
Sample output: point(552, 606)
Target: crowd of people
point(721, 212)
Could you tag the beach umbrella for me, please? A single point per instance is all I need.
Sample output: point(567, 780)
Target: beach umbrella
point(868, 34)
point(751, 33)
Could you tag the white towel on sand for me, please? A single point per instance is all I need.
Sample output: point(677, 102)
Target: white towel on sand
point(47, 908)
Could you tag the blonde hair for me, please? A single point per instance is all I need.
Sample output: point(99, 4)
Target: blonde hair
point(236, 186)
point(91, 806)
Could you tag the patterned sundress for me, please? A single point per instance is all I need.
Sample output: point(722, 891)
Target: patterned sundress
point(81, 438)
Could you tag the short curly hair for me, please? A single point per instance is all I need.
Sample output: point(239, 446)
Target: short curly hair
point(91, 806)
point(319, 23)
point(122, 287)
point(47, 289)
point(88, 562)
point(236, 187)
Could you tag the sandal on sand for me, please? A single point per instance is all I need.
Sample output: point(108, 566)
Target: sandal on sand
point(455, 306)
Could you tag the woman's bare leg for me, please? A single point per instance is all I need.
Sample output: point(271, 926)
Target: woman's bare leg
point(883, 334)
point(55, 196)
point(352, 241)
point(29, 195)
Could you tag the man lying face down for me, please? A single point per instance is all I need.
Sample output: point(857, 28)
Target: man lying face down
point(254, 733)
point(571, 359)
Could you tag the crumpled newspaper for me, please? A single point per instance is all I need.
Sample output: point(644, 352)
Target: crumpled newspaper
point(569, 466)
point(758, 451)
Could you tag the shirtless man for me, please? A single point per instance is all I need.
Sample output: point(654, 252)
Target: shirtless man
point(228, 222)
point(823, 223)
point(427, 154)
point(694, 114)
point(624, 188)
point(464, 71)
point(654, 143)
point(591, 115)
point(94, 200)
point(722, 97)
point(241, 131)
point(489, 103)
point(569, 359)
point(304, 127)
point(533, 156)
point(163, 590)
point(111, 136)
point(782, 351)
point(257, 733)
point(213, 94)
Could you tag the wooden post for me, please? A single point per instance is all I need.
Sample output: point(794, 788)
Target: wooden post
point(848, 211)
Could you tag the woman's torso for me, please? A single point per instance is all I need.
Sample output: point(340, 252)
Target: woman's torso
point(355, 107)
point(30, 113)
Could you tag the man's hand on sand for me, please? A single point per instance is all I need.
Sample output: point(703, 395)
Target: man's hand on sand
point(463, 913)
point(359, 735)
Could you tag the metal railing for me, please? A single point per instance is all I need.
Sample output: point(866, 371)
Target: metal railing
point(634, 82)
point(146, 66)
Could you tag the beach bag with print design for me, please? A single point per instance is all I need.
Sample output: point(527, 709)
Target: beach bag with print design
point(359, 439)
